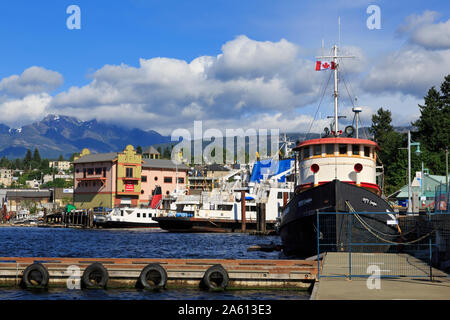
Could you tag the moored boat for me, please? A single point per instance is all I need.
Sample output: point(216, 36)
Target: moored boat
point(337, 173)
point(126, 217)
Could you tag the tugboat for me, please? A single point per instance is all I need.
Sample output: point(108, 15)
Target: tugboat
point(337, 173)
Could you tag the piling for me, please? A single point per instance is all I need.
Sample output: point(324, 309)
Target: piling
point(261, 217)
point(243, 210)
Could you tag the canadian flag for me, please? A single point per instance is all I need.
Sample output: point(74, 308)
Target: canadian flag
point(325, 65)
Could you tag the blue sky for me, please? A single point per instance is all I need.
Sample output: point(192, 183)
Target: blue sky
point(123, 32)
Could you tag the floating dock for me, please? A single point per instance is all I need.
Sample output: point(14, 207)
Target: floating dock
point(235, 273)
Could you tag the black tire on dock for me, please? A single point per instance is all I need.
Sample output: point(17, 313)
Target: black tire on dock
point(152, 277)
point(35, 276)
point(95, 276)
point(215, 278)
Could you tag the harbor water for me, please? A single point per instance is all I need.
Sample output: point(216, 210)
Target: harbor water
point(135, 243)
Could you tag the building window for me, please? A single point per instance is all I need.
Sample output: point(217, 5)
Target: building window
point(156, 178)
point(330, 149)
point(104, 172)
point(180, 180)
point(84, 172)
point(144, 178)
point(167, 179)
point(138, 215)
point(342, 149)
point(317, 150)
point(366, 151)
point(144, 215)
point(306, 153)
point(355, 149)
point(280, 195)
point(129, 172)
point(90, 171)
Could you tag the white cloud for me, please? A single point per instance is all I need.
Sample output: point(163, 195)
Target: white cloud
point(247, 78)
point(17, 112)
point(32, 80)
point(433, 36)
point(422, 30)
point(411, 70)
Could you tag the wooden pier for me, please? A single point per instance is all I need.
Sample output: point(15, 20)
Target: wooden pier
point(235, 273)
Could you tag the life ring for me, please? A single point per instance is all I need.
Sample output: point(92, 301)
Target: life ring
point(152, 277)
point(35, 276)
point(215, 278)
point(95, 276)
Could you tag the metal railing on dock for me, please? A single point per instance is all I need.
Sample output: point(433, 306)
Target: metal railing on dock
point(359, 244)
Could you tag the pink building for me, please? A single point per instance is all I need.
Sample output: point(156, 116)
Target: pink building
point(163, 173)
point(123, 178)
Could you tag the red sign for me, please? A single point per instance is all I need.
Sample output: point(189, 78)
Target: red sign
point(129, 187)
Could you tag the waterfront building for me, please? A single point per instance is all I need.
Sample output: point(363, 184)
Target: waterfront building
point(151, 153)
point(49, 177)
point(60, 165)
point(423, 191)
point(63, 196)
point(6, 177)
point(17, 199)
point(216, 171)
point(122, 178)
point(163, 173)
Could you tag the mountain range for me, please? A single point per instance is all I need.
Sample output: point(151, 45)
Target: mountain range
point(57, 135)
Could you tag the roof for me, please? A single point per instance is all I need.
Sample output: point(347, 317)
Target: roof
point(163, 164)
point(337, 141)
point(430, 182)
point(150, 150)
point(97, 157)
point(28, 194)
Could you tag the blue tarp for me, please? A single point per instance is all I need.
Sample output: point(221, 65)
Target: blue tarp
point(270, 168)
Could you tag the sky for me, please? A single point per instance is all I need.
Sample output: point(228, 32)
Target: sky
point(162, 65)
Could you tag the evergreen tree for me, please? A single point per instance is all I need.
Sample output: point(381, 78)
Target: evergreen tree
point(167, 154)
point(61, 157)
point(139, 150)
point(433, 126)
point(390, 143)
point(36, 156)
point(27, 160)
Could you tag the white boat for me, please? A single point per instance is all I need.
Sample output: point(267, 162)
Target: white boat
point(220, 210)
point(128, 218)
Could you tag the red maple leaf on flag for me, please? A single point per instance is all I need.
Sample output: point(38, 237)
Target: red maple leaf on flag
point(325, 65)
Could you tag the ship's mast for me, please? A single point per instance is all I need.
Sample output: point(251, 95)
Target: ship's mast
point(335, 58)
point(336, 91)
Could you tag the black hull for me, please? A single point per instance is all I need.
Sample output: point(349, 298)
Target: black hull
point(299, 219)
point(196, 225)
point(122, 224)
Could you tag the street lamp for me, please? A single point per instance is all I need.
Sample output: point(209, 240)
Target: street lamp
point(410, 143)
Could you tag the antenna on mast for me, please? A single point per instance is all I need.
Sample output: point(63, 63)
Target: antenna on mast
point(335, 66)
point(339, 31)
